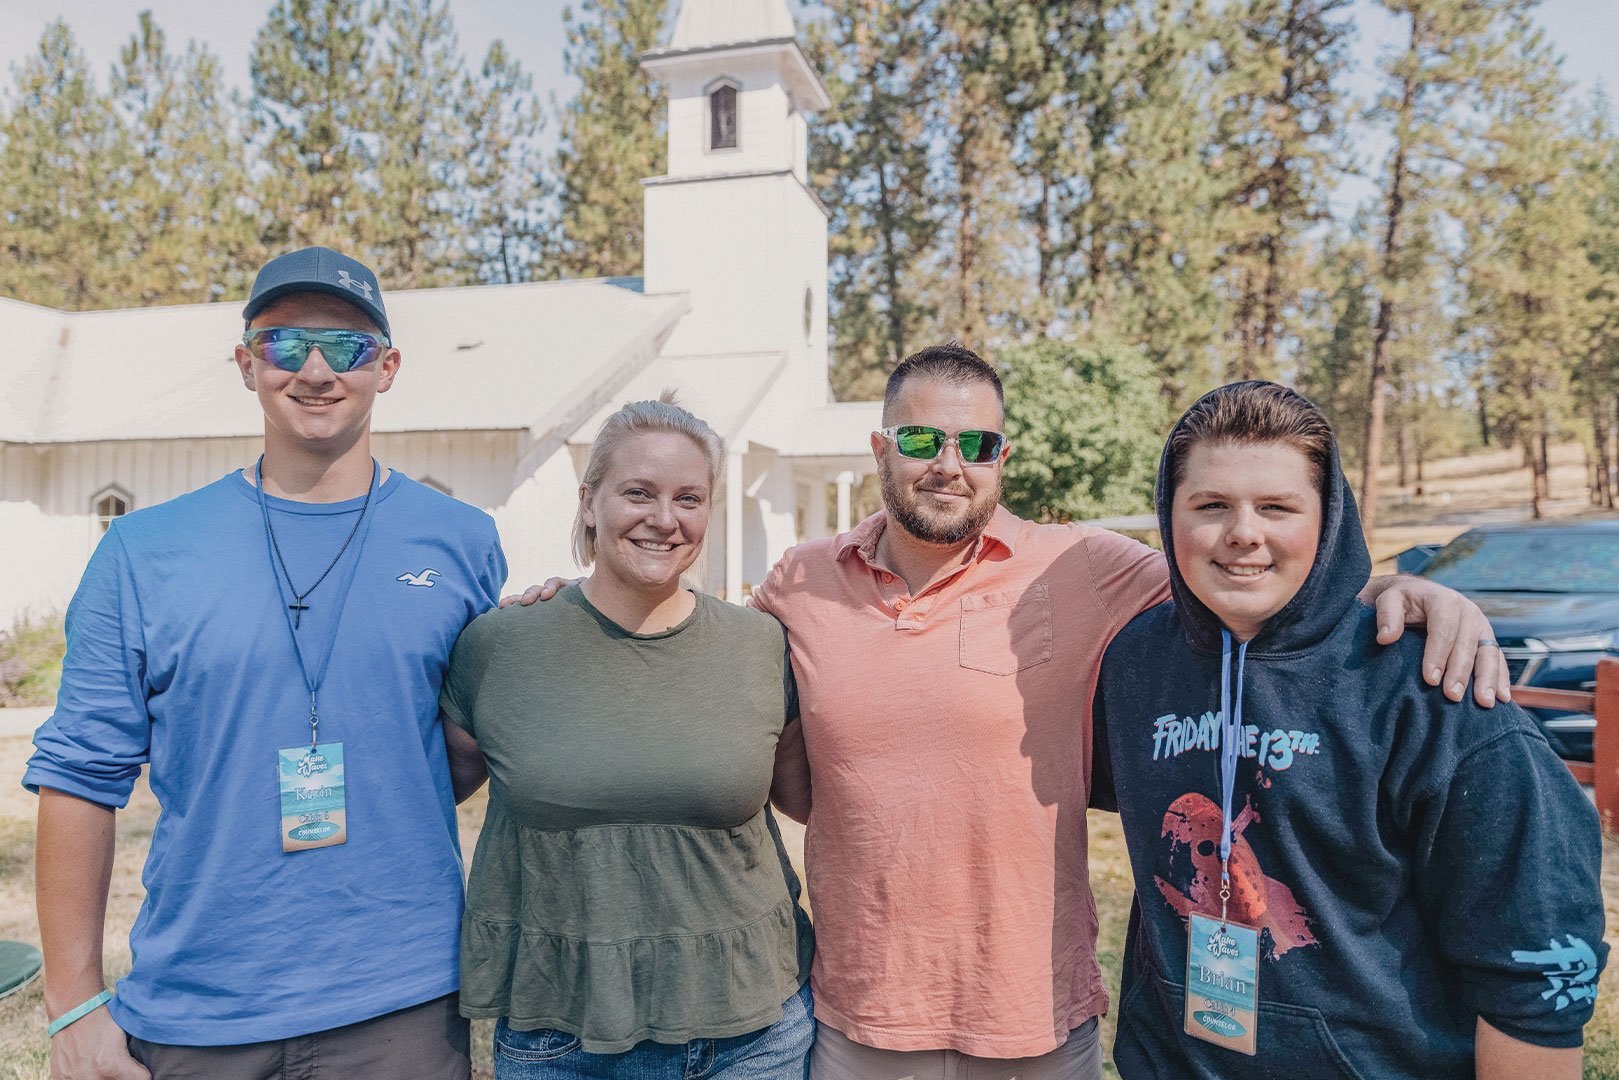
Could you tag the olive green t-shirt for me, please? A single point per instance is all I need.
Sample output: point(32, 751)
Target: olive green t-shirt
point(629, 882)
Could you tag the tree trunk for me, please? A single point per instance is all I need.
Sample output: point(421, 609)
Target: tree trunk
point(1612, 459)
point(1043, 236)
point(1244, 368)
point(1483, 418)
point(966, 269)
point(966, 285)
point(1402, 449)
point(1540, 479)
point(1602, 490)
point(891, 268)
point(1393, 241)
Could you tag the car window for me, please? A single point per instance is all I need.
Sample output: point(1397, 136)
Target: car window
point(1556, 560)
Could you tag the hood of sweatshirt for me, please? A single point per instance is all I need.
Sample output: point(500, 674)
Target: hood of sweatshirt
point(1341, 567)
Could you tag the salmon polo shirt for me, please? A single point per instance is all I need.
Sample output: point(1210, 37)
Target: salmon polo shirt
point(945, 771)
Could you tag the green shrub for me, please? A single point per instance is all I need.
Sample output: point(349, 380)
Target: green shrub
point(1086, 423)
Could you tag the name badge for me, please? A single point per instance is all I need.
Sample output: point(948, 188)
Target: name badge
point(313, 813)
point(1222, 983)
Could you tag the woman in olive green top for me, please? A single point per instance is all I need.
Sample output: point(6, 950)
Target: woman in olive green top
point(631, 913)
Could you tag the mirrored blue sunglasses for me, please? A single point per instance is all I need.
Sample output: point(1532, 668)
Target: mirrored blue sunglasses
point(287, 347)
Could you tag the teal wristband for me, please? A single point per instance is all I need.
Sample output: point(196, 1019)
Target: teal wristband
point(78, 1012)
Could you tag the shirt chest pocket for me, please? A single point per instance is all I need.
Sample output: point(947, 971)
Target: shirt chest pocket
point(1002, 633)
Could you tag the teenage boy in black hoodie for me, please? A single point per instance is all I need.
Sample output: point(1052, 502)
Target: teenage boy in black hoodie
point(1376, 882)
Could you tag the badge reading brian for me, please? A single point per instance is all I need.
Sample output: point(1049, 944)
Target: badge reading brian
point(312, 805)
point(1222, 983)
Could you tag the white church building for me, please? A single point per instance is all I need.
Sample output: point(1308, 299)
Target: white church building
point(502, 388)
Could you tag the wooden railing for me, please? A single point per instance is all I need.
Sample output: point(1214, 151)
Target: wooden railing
point(1602, 773)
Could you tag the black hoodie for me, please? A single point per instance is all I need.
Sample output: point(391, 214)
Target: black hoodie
point(1413, 863)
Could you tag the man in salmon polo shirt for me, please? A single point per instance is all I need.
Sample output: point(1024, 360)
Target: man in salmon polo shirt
point(946, 653)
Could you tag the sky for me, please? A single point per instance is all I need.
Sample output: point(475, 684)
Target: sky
point(1583, 30)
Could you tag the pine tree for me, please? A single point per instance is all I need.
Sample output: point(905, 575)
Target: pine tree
point(421, 146)
point(1163, 200)
point(501, 216)
point(315, 116)
point(1447, 51)
point(611, 139)
point(1107, 102)
point(1527, 280)
point(1280, 134)
point(57, 156)
point(870, 156)
point(1596, 377)
point(1338, 334)
point(978, 291)
point(182, 228)
point(1417, 353)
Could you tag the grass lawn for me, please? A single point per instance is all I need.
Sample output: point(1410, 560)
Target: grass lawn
point(23, 1046)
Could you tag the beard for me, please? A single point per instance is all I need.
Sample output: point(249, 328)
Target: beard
point(947, 527)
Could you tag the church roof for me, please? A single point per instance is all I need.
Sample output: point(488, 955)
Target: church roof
point(723, 389)
point(494, 357)
point(708, 24)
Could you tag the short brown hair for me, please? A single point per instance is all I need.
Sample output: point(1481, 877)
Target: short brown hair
point(1253, 412)
point(952, 362)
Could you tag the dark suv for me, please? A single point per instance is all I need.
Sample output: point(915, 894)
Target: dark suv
point(1551, 589)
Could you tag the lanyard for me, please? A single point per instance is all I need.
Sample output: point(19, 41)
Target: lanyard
point(1230, 751)
point(342, 596)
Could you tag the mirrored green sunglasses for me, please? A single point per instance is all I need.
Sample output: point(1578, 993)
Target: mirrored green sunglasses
point(926, 443)
point(287, 347)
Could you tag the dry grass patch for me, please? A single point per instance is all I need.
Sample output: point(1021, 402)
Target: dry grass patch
point(23, 1047)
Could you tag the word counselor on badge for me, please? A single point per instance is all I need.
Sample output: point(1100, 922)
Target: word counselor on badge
point(1222, 983)
point(312, 804)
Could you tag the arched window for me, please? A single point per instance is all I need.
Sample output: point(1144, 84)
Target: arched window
point(442, 489)
point(722, 117)
point(110, 503)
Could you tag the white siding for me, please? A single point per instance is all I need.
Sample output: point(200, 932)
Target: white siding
point(774, 528)
point(536, 523)
point(47, 492)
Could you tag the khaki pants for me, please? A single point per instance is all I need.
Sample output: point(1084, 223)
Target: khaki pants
point(424, 1042)
point(837, 1057)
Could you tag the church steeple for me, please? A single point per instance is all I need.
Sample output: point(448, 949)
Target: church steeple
point(734, 223)
point(738, 87)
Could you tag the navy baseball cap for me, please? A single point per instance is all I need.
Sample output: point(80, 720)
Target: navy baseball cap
point(322, 270)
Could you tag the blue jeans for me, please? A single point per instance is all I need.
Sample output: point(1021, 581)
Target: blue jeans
point(778, 1052)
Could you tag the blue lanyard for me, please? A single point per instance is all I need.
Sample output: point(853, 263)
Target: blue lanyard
point(314, 684)
point(1230, 753)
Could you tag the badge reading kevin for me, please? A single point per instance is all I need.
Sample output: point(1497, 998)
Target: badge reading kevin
point(1222, 983)
point(312, 804)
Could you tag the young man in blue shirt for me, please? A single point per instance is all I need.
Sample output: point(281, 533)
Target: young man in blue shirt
point(272, 645)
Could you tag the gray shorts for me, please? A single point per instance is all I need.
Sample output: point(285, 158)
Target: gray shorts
point(837, 1057)
point(424, 1042)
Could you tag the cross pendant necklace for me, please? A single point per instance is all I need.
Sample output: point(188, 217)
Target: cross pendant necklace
point(298, 607)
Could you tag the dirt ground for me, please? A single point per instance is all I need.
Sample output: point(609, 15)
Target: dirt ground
point(1479, 489)
point(23, 1048)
